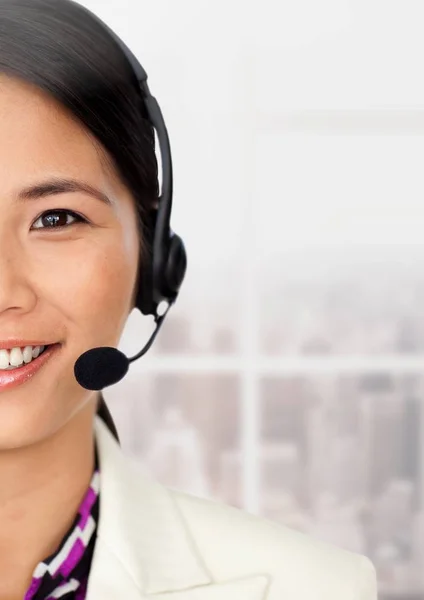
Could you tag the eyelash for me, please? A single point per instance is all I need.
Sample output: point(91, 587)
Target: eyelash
point(79, 219)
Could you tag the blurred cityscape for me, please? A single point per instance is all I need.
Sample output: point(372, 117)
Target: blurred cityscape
point(340, 454)
point(363, 301)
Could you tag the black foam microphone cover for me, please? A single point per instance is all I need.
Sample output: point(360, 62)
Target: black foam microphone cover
point(100, 367)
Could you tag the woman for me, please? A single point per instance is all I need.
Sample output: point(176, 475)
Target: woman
point(79, 191)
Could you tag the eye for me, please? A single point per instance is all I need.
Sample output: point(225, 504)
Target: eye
point(57, 219)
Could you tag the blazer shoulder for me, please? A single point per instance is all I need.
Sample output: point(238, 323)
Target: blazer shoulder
point(234, 543)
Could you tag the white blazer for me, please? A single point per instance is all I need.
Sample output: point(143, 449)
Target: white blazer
point(155, 543)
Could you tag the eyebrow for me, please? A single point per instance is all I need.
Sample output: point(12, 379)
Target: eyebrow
point(58, 185)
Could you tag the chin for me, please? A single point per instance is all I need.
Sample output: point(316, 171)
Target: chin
point(24, 421)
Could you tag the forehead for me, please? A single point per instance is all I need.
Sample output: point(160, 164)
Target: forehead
point(38, 136)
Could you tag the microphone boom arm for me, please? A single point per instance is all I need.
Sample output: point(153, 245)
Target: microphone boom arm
point(158, 320)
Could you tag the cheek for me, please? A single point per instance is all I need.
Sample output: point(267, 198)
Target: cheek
point(104, 284)
point(93, 288)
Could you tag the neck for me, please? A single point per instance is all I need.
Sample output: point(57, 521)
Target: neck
point(42, 488)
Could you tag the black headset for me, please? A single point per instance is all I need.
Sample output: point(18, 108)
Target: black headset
point(162, 272)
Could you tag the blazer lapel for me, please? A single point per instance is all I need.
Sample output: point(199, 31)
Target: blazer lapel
point(144, 550)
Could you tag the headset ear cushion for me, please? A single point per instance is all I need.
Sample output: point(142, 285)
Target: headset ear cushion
point(175, 267)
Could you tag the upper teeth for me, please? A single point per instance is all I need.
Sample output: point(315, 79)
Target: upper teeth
point(17, 356)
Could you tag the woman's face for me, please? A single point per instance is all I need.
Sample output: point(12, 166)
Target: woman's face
point(72, 284)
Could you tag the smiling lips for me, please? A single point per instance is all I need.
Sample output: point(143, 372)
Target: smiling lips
point(12, 376)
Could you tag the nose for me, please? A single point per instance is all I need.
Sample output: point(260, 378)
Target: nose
point(16, 291)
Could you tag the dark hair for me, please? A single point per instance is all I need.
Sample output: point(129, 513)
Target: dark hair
point(57, 46)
